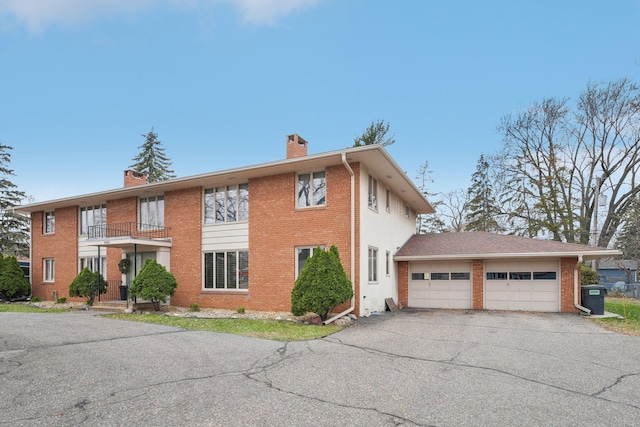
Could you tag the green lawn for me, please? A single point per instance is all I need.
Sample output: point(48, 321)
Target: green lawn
point(28, 308)
point(278, 330)
point(626, 307)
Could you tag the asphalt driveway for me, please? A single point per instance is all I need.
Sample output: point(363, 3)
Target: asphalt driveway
point(437, 368)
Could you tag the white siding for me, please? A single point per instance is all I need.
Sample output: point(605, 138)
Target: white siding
point(229, 236)
point(386, 231)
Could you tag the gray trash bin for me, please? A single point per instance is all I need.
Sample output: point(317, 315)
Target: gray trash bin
point(593, 298)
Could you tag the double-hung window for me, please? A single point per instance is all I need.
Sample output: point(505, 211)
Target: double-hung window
point(93, 263)
point(92, 216)
point(49, 222)
point(226, 270)
point(373, 264)
point(49, 270)
point(151, 212)
point(303, 253)
point(312, 189)
point(373, 193)
point(226, 204)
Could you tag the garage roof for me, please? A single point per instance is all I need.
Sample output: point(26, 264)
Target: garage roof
point(483, 245)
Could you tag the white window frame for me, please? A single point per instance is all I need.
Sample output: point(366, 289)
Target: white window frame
point(388, 263)
point(311, 249)
point(388, 200)
point(91, 262)
point(48, 270)
point(90, 212)
point(311, 201)
point(144, 211)
point(372, 263)
point(241, 280)
point(218, 197)
point(49, 222)
point(372, 191)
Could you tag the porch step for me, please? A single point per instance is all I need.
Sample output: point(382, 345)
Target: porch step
point(112, 306)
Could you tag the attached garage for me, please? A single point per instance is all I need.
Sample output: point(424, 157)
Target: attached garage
point(440, 285)
point(522, 285)
point(481, 270)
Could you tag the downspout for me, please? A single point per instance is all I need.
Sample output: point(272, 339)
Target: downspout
point(353, 240)
point(576, 272)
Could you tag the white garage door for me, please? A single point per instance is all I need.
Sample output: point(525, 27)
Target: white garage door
point(440, 285)
point(522, 285)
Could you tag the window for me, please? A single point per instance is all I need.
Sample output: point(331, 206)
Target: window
point(92, 216)
point(303, 253)
point(226, 270)
point(226, 204)
point(388, 200)
point(417, 276)
point(373, 193)
point(373, 264)
point(496, 276)
point(544, 275)
point(151, 212)
point(49, 271)
point(460, 276)
point(387, 263)
point(92, 264)
point(49, 222)
point(312, 189)
point(439, 276)
point(524, 275)
point(407, 212)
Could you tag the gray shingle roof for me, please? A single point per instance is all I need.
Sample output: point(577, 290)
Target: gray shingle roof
point(488, 245)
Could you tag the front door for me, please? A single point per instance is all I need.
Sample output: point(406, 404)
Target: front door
point(137, 263)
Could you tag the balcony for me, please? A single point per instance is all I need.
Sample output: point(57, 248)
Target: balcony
point(126, 234)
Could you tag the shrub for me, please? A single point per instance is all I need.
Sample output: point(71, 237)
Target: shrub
point(61, 300)
point(321, 285)
point(87, 284)
point(194, 307)
point(240, 310)
point(153, 283)
point(588, 276)
point(13, 284)
point(36, 299)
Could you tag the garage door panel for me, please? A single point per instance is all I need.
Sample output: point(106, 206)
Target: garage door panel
point(526, 295)
point(440, 293)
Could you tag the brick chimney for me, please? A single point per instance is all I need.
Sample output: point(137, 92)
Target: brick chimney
point(296, 146)
point(132, 178)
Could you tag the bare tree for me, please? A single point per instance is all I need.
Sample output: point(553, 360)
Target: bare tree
point(428, 223)
point(452, 208)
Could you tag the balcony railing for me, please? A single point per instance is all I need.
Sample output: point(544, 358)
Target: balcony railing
point(128, 229)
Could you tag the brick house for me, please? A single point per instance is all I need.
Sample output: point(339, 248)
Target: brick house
point(239, 237)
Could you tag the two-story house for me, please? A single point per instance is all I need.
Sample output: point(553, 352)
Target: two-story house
point(240, 237)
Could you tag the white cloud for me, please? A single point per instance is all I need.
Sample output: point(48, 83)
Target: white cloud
point(37, 15)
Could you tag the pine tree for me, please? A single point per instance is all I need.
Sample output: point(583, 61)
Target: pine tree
point(483, 213)
point(152, 160)
point(14, 227)
point(375, 134)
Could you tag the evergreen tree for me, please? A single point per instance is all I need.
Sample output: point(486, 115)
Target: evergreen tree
point(14, 228)
point(153, 283)
point(152, 160)
point(375, 134)
point(482, 211)
point(13, 284)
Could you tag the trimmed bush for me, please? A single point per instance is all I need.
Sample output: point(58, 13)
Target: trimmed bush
point(13, 284)
point(154, 283)
point(588, 276)
point(321, 285)
point(87, 284)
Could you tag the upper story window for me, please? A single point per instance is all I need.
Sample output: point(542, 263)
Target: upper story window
point(373, 193)
point(92, 215)
point(226, 204)
point(49, 222)
point(152, 212)
point(312, 189)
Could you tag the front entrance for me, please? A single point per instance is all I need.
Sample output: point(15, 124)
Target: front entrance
point(137, 262)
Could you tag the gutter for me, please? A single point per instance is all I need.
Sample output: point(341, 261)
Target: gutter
point(353, 240)
point(576, 272)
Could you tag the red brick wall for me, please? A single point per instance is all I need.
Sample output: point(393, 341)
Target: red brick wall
point(477, 282)
point(403, 283)
point(183, 213)
point(62, 246)
point(276, 228)
point(567, 268)
point(120, 210)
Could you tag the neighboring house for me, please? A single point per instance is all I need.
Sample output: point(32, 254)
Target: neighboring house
point(617, 270)
point(240, 237)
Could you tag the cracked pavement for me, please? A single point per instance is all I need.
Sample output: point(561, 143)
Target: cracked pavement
point(407, 368)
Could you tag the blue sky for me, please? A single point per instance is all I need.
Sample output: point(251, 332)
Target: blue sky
point(223, 81)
